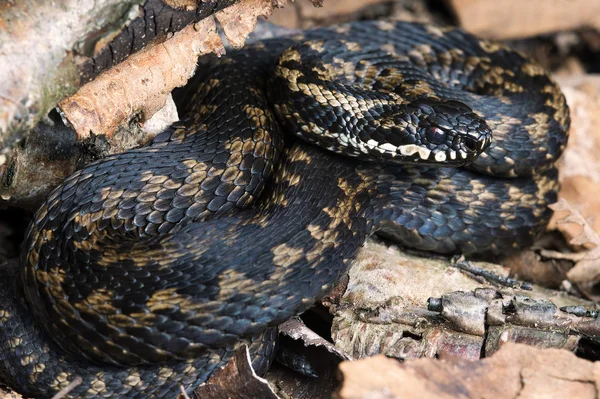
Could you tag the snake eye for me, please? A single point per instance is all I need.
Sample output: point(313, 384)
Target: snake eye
point(435, 135)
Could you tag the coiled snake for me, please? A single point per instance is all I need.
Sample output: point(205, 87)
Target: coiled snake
point(144, 274)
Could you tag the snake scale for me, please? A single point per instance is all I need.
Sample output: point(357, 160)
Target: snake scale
point(146, 270)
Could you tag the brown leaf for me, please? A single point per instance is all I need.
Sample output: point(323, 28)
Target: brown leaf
point(546, 271)
point(580, 166)
point(516, 371)
point(237, 380)
point(304, 14)
point(587, 269)
point(587, 235)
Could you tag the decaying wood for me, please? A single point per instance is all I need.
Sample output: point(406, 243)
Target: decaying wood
point(38, 47)
point(405, 306)
point(135, 89)
point(156, 19)
point(141, 84)
point(48, 52)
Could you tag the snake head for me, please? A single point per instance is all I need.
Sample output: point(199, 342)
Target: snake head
point(441, 132)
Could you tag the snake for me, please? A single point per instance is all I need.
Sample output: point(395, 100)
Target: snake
point(145, 271)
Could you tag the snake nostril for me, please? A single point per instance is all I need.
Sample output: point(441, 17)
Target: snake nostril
point(472, 144)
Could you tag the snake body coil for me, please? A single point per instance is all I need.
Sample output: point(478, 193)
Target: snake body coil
point(145, 279)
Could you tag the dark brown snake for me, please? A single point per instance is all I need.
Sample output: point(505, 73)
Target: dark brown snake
point(146, 270)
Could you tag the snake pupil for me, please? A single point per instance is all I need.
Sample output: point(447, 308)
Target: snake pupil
point(435, 135)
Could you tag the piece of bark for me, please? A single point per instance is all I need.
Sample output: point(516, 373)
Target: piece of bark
point(155, 21)
point(38, 164)
point(240, 20)
point(39, 64)
point(508, 19)
point(306, 364)
point(40, 69)
point(405, 306)
point(516, 371)
point(132, 90)
point(141, 84)
point(24, 183)
point(290, 384)
point(296, 329)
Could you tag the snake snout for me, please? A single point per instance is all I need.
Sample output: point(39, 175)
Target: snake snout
point(480, 138)
point(454, 133)
point(474, 139)
point(473, 132)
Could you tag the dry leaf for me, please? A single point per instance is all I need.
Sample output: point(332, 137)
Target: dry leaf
point(543, 270)
point(237, 380)
point(303, 14)
point(580, 166)
point(587, 269)
point(516, 371)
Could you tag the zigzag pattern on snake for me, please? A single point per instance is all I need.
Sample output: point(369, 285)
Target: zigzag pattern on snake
point(146, 270)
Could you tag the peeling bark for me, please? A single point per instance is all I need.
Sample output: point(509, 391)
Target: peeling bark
point(39, 47)
point(157, 19)
point(131, 91)
point(406, 307)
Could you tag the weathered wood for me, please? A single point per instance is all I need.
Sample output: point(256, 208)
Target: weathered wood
point(47, 49)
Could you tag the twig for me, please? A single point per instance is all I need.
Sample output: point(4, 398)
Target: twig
point(63, 392)
point(183, 392)
point(573, 256)
point(490, 276)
